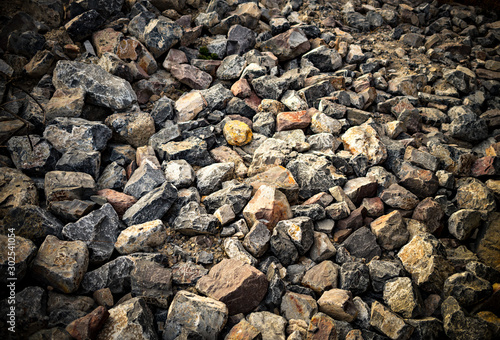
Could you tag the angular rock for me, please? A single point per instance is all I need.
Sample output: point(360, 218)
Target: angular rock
point(179, 173)
point(231, 67)
point(192, 149)
point(487, 249)
point(101, 88)
point(80, 161)
point(151, 281)
point(458, 325)
point(191, 76)
point(61, 264)
point(338, 304)
point(151, 206)
point(354, 277)
point(389, 323)
point(98, 230)
point(362, 244)
point(25, 251)
point(240, 286)
point(134, 128)
point(321, 277)
point(382, 272)
point(473, 194)
point(88, 326)
point(270, 325)
point(398, 197)
point(268, 206)
point(141, 237)
point(119, 201)
point(243, 330)
point(322, 326)
point(287, 45)
point(114, 275)
point(422, 183)
point(193, 220)
point(37, 161)
point(298, 306)
point(364, 139)
point(403, 298)
point(390, 231)
point(257, 239)
point(324, 58)
point(467, 288)
point(292, 120)
point(322, 248)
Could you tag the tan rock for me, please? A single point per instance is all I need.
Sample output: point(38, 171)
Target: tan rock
point(389, 323)
point(390, 231)
point(237, 133)
point(269, 206)
point(322, 277)
point(338, 304)
point(364, 139)
point(189, 105)
point(241, 88)
point(141, 237)
point(279, 177)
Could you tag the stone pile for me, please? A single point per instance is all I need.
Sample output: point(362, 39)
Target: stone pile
point(233, 169)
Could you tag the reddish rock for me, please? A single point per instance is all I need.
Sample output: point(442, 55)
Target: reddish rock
point(269, 206)
point(189, 105)
point(341, 235)
point(253, 101)
point(241, 88)
point(118, 200)
point(430, 213)
point(191, 76)
point(288, 45)
point(354, 221)
point(321, 327)
point(292, 120)
point(422, 183)
point(209, 66)
point(243, 331)
point(374, 206)
point(324, 199)
point(88, 326)
point(486, 166)
point(174, 56)
point(240, 286)
point(127, 49)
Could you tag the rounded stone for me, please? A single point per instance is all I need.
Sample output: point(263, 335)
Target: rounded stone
point(237, 133)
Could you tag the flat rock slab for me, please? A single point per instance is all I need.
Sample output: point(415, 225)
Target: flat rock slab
point(240, 286)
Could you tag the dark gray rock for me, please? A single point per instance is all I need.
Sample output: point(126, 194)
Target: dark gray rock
point(235, 194)
point(217, 97)
point(264, 123)
point(193, 150)
point(113, 177)
point(324, 58)
point(467, 288)
point(231, 67)
point(469, 127)
point(257, 240)
point(362, 244)
point(300, 230)
point(102, 88)
point(38, 161)
point(146, 178)
point(314, 211)
point(162, 111)
point(354, 276)
point(159, 35)
point(269, 87)
point(193, 220)
point(209, 179)
point(357, 20)
point(83, 25)
point(170, 132)
point(151, 206)
point(457, 325)
point(25, 43)
point(71, 211)
point(80, 161)
point(76, 133)
point(240, 40)
point(99, 230)
point(383, 271)
point(282, 247)
point(315, 92)
point(114, 275)
point(152, 282)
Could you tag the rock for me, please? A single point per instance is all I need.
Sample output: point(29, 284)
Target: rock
point(398, 197)
point(337, 303)
point(101, 88)
point(359, 188)
point(364, 139)
point(272, 152)
point(113, 177)
point(88, 326)
point(287, 45)
point(279, 177)
point(103, 297)
point(235, 250)
point(235, 195)
point(134, 128)
point(225, 214)
point(314, 211)
point(243, 330)
point(389, 323)
point(119, 201)
point(298, 306)
point(321, 123)
point(322, 248)
point(191, 76)
point(292, 120)
point(473, 194)
point(237, 133)
point(231, 67)
point(179, 173)
point(82, 26)
point(99, 230)
point(324, 58)
point(283, 247)
point(486, 249)
point(61, 264)
point(25, 253)
point(362, 244)
point(224, 154)
point(240, 40)
point(268, 206)
point(192, 149)
point(189, 105)
point(151, 281)
point(425, 259)
point(151, 206)
point(321, 277)
point(17, 189)
point(193, 220)
point(382, 272)
point(131, 319)
point(142, 237)
point(158, 35)
point(322, 326)
point(80, 161)
point(270, 325)
point(314, 174)
point(76, 133)
point(403, 298)
point(257, 239)
point(210, 178)
point(187, 273)
point(458, 325)
point(66, 102)
point(354, 277)
point(467, 288)
point(37, 161)
point(269, 86)
point(114, 275)
point(390, 231)
point(241, 288)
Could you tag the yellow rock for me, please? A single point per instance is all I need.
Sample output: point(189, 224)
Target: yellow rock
point(237, 133)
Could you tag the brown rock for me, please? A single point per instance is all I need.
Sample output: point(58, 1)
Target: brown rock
point(354, 221)
point(243, 330)
point(89, 326)
point(16, 189)
point(224, 154)
point(104, 297)
point(191, 76)
point(488, 249)
point(321, 327)
point(287, 45)
point(106, 40)
point(292, 120)
point(389, 323)
point(430, 213)
point(240, 286)
point(374, 206)
point(486, 166)
point(209, 66)
point(65, 103)
point(120, 201)
point(338, 304)
point(390, 231)
point(189, 105)
point(358, 188)
point(268, 206)
point(398, 197)
point(241, 88)
point(298, 306)
point(279, 177)
point(271, 105)
point(422, 183)
point(321, 277)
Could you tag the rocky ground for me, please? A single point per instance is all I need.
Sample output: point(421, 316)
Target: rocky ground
point(229, 169)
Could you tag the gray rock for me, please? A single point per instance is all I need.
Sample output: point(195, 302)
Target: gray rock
point(282, 247)
point(403, 297)
point(398, 197)
point(76, 133)
point(357, 20)
point(324, 58)
point(80, 161)
point(234, 250)
point(82, 26)
point(131, 318)
point(300, 230)
point(114, 275)
point(354, 277)
point(113, 177)
point(467, 288)
point(382, 272)
point(179, 173)
point(193, 220)
point(217, 97)
point(170, 132)
point(264, 123)
point(257, 239)
point(102, 88)
point(314, 174)
point(134, 128)
point(158, 35)
point(462, 223)
point(193, 150)
point(270, 325)
point(469, 127)
point(240, 40)
point(236, 195)
point(38, 161)
point(61, 264)
point(152, 282)
point(338, 211)
point(314, 211)
point(210, 178)
point(163, 110)
point(98, 230)
point(362, 244)
point(146, 178)
point(67, 185)
point(322, 248)
point(231, 67)
point(191, 315)
point(151, 206)
point(269, 86)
